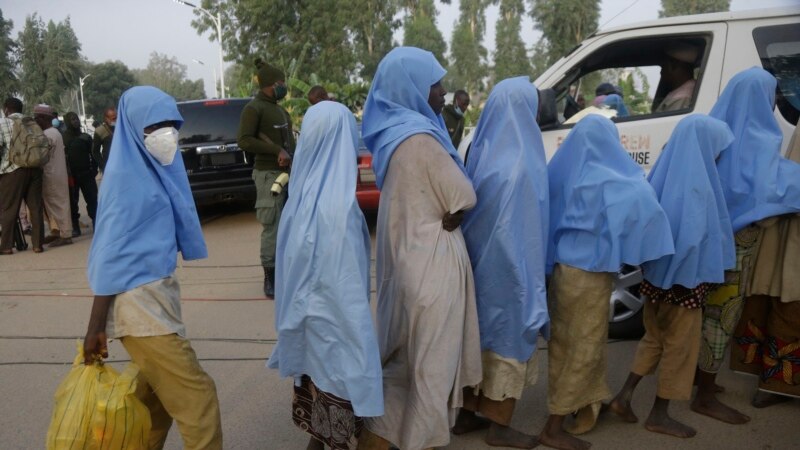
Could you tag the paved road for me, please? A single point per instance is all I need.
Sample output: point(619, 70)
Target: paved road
point(45, 303)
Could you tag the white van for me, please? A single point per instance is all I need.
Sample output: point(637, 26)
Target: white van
point(726, 44)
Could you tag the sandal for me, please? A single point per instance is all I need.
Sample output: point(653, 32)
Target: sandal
point(38, 249)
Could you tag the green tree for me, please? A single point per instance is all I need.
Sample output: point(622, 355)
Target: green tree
point(240, 81)
point(62, 60)
point(635, 91)
point(50, 61)
point(510, 55)
point(539, 58)
point(169, 75)
point(468, 55)
point(31, 54)
point(564, 23)
point(9, 85)
point(632, 80)
point(372, 23)
point(671, 8)
point(280, 31)
point(420, 30)
point(108, 81)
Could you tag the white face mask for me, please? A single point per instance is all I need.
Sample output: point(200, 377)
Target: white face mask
point(162, 144)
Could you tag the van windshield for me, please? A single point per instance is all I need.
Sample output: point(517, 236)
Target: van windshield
point(779, 50)
point(210, 122)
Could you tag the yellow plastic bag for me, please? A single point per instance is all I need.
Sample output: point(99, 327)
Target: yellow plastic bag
point(96, 408)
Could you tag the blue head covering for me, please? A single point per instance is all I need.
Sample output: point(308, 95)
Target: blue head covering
point(322, 313)
point(506, 232)
point(397, 106)
point(145, 213)
point(614, 101)
point(603, 213)
point(757, 181)
point(687, 184)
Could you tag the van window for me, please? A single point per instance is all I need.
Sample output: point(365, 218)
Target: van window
point(636, 78)
point(779, 49)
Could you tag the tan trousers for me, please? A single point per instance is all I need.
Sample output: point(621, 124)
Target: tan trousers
point(672, 338)
point(176, 387)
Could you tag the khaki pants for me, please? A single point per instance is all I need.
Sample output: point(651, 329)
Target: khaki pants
point(672, 339)
point(268, 212)
point(174, 386)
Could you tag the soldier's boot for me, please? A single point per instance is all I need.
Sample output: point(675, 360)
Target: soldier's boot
point(269, 282)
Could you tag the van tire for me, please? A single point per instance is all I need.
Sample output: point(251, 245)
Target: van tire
point(631, 328)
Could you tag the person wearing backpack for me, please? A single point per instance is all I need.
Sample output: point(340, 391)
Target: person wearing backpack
point(16, 182)
point(55, 185)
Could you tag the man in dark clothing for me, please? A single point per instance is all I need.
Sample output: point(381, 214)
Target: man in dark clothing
point(17, 184)
point(265, 129)
point(454, 116)
point(82, 170)
point(101, 143)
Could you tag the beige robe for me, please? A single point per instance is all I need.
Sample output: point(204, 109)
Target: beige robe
point(776, 271)
point(577, 351)
point(55, 187)
point(427, 319)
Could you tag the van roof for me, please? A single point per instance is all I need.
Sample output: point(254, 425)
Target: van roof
point(705, 18)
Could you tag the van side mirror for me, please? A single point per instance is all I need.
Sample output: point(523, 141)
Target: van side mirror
point(548, 113)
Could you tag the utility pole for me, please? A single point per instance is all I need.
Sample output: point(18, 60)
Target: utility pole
point(218, 22)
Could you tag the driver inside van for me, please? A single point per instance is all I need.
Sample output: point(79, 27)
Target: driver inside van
point(677, 72)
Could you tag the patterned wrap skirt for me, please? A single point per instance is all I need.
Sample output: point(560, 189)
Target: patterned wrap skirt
point(326, 417)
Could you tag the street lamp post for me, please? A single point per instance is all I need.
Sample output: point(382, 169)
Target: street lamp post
point(218, 22)
point(213, 73)
point(83, 106)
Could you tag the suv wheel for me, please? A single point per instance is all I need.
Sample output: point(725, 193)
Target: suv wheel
point(625, 314)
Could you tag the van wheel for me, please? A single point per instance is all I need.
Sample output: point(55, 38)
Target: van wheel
point(626, 305)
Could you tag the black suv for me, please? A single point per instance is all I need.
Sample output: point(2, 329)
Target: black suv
point(219, 171)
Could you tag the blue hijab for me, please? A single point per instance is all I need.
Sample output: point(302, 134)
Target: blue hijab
point(614, 101)
point(757, 181)
point(322, 312)
point(397, 106)
point(603, 213)
point(506, 232)
point(687, 184)
point(145, 213)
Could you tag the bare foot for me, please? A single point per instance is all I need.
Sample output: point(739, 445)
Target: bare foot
point(622, 408)
point(467, 422)
point(562, 440)
point(711, 407)
point(667, 425)
point(764, 399)
point(500, 436)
